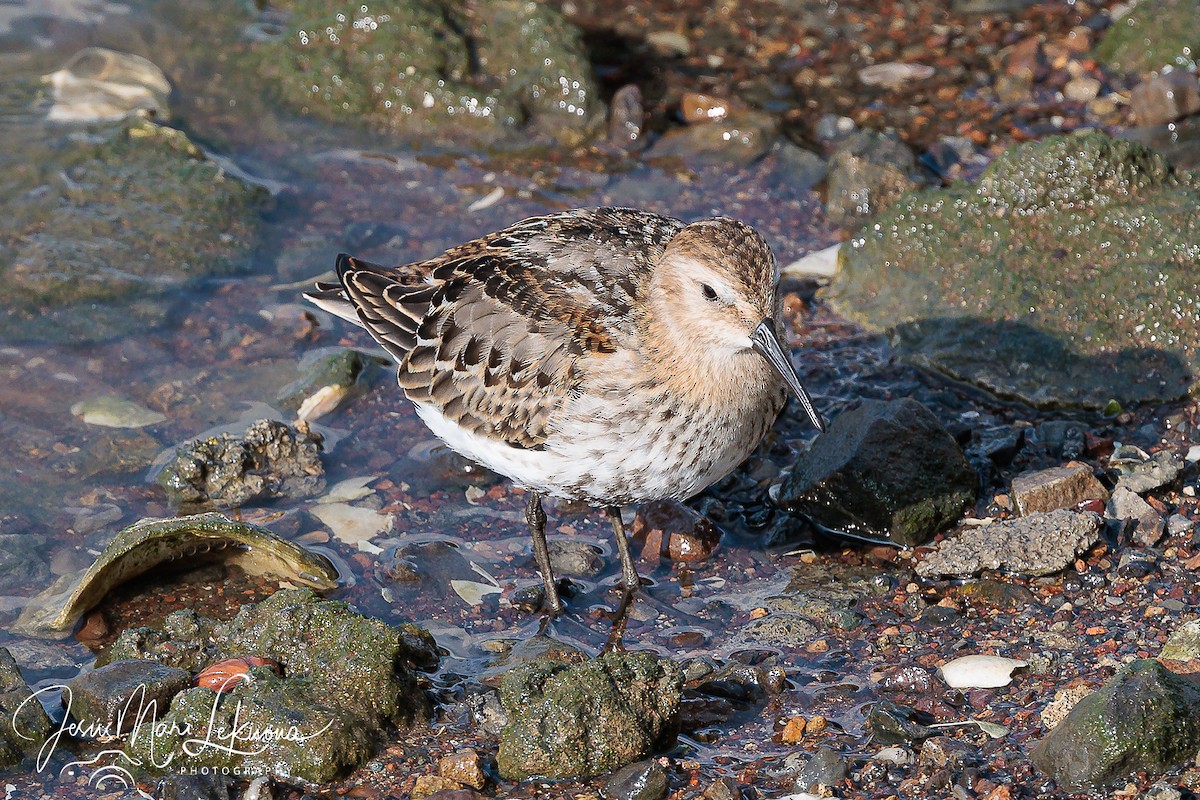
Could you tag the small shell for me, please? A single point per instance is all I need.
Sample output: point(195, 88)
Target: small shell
point(979, 672)
point(224, 675)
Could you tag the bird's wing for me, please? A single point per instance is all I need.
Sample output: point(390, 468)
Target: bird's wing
point(495, 339)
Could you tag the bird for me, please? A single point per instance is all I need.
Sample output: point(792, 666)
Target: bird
point(606, 355)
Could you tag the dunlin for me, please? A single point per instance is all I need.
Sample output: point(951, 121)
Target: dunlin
point(606, 355)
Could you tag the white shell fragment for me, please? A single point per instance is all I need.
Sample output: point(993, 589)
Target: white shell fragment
point(980, 672)
point(820, 264)
point(894, 73)
point(115, 412)
point(349, 490)
point(321, 402)
point(99, 85)
point(353, 525)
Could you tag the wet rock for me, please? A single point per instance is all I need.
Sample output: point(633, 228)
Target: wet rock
point(102, 85)
point(344, 683)
point(801, 169)
point(1140, 472)
point(1039, 544)
point(669, 529)
point(183, 643)
point(739, 139)
point(26, 724)
point(778, 630)
point(1082, 89)
point(998, 594)
point(22, 562)
point(964, 290)
point(942, 752)
point(825, 768)
point(493, 72)
point(723, 789)
point(740, 682)
point(1062, 438)
point(1147, 524)
point(891, 723)
point(464, 767)
point(867, 173)
point(115, 698)
point(575, 558)
point(1166, 98)
point(327, 379)
point(115, 412)
point(884, 470)
point(979, 671)
point(434, 786)
point(136, 195)
point(697, 108)
point(429, 568)
point(587, 719)
point(271, 459)
point(1144, 718)
point(1057, 487)
point(645, 780)
point(1153, 34)
point(117, 452)
point(999, 444)
point(1184, 643)
point(627, 120)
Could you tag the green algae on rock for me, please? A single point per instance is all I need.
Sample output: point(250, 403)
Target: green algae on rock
point(105, 228)
point(568, 721)
point(489, 72)
point(152, 542)
point(1144, 719)
point(1068, 276)
point(344, 683)
point(26, 724)
point(1151, 35)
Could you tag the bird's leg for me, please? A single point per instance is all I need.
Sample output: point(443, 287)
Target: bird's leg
point(629, 574)
point(535, 517)
point(616, 637)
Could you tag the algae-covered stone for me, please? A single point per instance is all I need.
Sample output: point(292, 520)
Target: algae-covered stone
point(1145, 718)
point(344, 682)
point(885, 470)
point(587, 719)
point(26, 724)
point(121, 695)
point(1151, 35)
point(481, 72)
point(1068, 276)
point(105, 229)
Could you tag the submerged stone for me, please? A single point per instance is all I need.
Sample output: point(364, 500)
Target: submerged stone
point(1144, 719)
point(489, 72)
point(885, 470)
point(569, 721)
point(121, 695)
point(26, 724)
point(1067, 276)
point(106, 229)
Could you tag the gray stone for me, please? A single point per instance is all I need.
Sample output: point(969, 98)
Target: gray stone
point(1184, 643)
point(1139, 474)
point(1127, 505)
point(587, 719)
point(958, 276)
point(1039, 544)
point(1057, 487)
point(741, 138)
point(271, 459)
point(867, 173)
point(1144, 719)
point(1178, 524)
point(22, 563)
point(115, 698)
point(569, 557)
point(825, 768)
point(1165, 98)
point(644, 780)
point(26, 724)
point(883, 470)
point(799, 168)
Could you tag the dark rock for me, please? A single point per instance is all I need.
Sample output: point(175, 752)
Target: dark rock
point(587, 719)
point(999, 444)
point(569, 557)
point(670, 529)
point(999, 594)
point(1039, 544)
point(645, 780)
point(183, 642)
point(105, 231)
point(825, 768)
point(117, 452)
point(344, 683)
point(492, 72)
point(1153, 34)
point(891, 723)
point(22, 563)
point(798, 168)
point(1144, 719)
point(428, 568)
point(867, 173)
point(113, 699)
point(735, 681)
point(723, 789)
point(1147, 524)
point(1165, 98)
point(1057, 487)
point(884, 470)
point(964, 291)
point(1062, 438)
point(200, 786)
point(26, 725)
point(271, 459)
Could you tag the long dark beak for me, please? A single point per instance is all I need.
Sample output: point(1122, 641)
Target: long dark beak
point(766, 344)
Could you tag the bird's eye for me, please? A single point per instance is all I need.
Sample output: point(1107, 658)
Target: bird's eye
point(709, 292)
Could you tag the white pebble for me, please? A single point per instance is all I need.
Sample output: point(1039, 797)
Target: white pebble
point(980, 672)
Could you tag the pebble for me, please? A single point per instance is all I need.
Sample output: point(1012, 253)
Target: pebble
point(980, 671)
point(817, 264)
point(723, 788)
point(1082, 89)
point(464, 767)
point(697, 108)
point(1128, 505)
point(644, 780)
point(627, 119)
point(893, 74)
point(115, 412)
point(1166, 98)
point(1057, 487)
point(825, 768)
point(669, 43)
